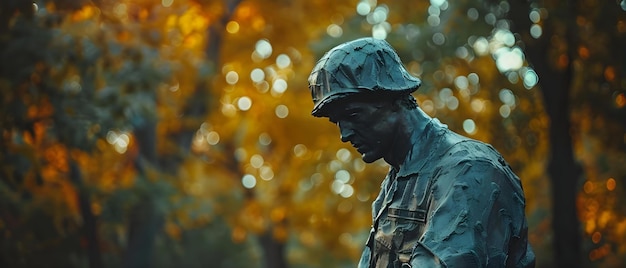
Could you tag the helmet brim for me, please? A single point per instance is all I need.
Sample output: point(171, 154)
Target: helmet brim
point(321, 107)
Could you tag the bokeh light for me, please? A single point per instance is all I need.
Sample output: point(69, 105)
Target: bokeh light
point(256, 161)
point(282, 111)
point(334, 30)
point(119, 139)
point(248, 181)
point(232, 77)
point(469, 126)
point(232, 27)
point(363, 8)
point(263, 49)
point(279, 86)
point(257, 75)
point(244, 103)
point(167, 3)
point(536, 31)
point(283, 61)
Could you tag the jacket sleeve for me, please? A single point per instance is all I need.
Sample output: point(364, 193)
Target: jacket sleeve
point(476, 212)
point(364, 262)
point(377, 205)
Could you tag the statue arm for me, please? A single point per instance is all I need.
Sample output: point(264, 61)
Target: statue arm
point(472, 217)
point(364, 262)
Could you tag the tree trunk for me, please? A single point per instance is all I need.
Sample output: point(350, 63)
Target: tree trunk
point(146, 220)
point(564, 173)
point(89, 229)
point(145, 223)
point(273, 251)
point(555, 84)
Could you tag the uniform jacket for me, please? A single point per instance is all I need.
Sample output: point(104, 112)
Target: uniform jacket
point(454, 202)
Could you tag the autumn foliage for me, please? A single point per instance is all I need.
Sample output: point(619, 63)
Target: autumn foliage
point(178, 132)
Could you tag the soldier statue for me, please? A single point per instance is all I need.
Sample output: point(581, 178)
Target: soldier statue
point(447, 200)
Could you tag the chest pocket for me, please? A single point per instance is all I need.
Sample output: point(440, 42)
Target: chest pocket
point(396, 214)
point(409, 224)
point(397, 238)
point(404, 221)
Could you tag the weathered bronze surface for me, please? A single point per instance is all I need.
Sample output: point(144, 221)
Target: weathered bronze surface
point(448, 200)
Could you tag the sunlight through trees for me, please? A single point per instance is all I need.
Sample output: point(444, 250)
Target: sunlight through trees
point(178, 132)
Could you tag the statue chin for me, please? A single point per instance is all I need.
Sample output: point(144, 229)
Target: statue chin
point(368, 158)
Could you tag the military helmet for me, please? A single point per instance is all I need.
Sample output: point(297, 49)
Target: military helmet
point(359, 66)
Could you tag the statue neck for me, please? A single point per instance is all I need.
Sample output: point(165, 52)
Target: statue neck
point(412, 124)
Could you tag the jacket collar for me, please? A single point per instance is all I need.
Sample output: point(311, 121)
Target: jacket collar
point(424, 147)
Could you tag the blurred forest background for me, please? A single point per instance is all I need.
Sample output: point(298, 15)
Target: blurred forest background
point(177, 133)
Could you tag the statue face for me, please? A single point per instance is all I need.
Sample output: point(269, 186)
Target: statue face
point(368, 125)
